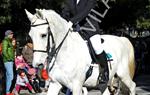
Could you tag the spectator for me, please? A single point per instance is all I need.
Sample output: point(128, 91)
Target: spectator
point(34, 80)
point(14, 43)
point(28, 52)
point(1, 53)
point(22, 82)
point(45, 77)
point(2, 78)
point(0, 69)
point(20, 63)
point(8, 59)
point(0, 47)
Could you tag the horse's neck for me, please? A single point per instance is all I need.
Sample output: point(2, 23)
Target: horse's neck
point(73, 46)
point(59, 37)
point(59, 26)
point(71, 41)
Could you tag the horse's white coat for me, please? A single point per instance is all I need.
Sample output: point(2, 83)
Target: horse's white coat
point(73, 59)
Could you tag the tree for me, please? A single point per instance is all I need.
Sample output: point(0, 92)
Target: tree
point(5, 9)
point(124, 12)
point(143, 21)
point(130, 12)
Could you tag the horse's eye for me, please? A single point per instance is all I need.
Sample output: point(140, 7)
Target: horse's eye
point(43, 35)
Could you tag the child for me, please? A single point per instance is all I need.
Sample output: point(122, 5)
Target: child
point(34, 80)
point(20, 63)
point(22, 82)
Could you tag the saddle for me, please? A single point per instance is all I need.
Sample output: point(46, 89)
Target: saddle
point(92, 52)
point(102, 80)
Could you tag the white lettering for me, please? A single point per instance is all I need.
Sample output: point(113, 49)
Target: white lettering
point(106, 3)
point(94, 17)
point(88, 29)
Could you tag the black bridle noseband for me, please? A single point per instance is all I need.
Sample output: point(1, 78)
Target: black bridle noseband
point(48, 44)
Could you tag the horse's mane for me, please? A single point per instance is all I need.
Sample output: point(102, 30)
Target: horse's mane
point(58, 25)
point(55, 20)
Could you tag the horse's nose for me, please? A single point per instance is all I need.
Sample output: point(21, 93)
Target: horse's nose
point(35, 64)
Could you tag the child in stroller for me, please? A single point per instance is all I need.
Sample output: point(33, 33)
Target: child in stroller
point(29, 71)
point(34, 80)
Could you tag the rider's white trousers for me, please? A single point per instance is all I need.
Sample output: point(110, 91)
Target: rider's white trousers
point(96, 43)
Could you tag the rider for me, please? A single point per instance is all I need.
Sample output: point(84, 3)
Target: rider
point(76, 12)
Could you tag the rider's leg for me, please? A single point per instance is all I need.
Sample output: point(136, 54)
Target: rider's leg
point(101, 55)
point(68, 92)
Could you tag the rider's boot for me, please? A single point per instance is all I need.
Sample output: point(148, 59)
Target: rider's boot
point(103, 67)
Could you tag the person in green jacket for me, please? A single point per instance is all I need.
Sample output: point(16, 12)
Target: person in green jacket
point(8, 54)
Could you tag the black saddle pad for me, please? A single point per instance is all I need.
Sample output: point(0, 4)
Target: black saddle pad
point(92, 52)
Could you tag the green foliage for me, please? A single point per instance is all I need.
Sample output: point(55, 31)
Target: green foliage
point(5, 19)
point(143, 23)
point(5, 16)
point(130, 12)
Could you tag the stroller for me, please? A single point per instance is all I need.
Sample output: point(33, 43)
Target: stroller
point(29, 71)
point(34, 80)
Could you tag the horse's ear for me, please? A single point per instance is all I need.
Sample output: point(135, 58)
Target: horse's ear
point(29, 15)
point(37, 10)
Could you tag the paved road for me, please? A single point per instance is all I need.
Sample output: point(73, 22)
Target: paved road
point(142, 82)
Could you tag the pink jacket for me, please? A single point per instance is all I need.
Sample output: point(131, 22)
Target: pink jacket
point(20, 62)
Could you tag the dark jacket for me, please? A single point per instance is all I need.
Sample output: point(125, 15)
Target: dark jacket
point(27, 53)
point(77, 13)
point(7, 50)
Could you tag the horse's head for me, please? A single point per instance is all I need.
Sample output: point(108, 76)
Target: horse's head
point(43, 22)
point(39, 35)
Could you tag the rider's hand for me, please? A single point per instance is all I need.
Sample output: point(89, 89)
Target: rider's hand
point(70, 24)
point(76, 27)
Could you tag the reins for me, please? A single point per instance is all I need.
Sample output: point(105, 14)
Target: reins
point(55, 52)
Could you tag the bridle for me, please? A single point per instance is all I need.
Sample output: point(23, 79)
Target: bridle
point(49, 34)
point(53, 51)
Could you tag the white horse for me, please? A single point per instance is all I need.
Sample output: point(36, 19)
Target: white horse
point(70, 64)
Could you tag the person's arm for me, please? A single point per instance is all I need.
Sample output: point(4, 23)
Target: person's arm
point(25, 64)
point(16, 62)
point(26, 79)
point(24, 51)
point(82, 14)
point(5, 48)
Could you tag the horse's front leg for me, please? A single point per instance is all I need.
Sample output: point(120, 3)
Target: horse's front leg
point(77, 88)
point(54, 88)
point(85, 91)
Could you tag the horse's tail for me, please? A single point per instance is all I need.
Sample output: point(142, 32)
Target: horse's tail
point(131, 62)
